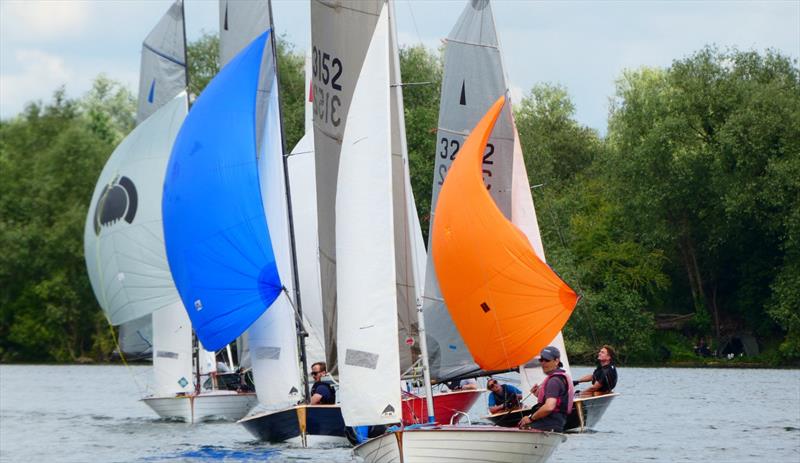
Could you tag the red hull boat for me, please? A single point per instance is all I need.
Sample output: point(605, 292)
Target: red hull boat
point(447, 406)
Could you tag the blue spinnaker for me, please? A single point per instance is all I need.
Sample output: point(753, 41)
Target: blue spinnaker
point(215, 229)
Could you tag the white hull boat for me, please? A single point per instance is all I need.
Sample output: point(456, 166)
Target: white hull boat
point(207, 406)
point(459, 444)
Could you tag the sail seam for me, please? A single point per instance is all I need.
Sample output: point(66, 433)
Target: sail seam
point(163, 55)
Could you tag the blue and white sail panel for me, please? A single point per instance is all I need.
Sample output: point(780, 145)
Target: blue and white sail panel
point(216, 232)
point(123, 238)
point(163, 68)
point(273, 338)
point(239, 23)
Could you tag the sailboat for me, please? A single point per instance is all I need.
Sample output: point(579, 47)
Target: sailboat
point(503, 304)
point(341, 33)
point(277, 337)
point(123, 239)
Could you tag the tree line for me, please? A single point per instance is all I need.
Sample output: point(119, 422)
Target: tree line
point(690, 205)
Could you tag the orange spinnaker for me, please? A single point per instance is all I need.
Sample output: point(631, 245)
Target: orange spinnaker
point(506, 303)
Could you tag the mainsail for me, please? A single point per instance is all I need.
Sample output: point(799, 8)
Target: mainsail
point(272, 339)
point(369, 368)
point(341, 31)
point(163, 68)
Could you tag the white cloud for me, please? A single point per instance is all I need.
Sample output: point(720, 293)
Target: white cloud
point(43, 20)
point(38, 74)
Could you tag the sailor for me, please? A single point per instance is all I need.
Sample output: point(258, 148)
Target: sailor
point(503, 397)
point(321, 392)
point(554, 395)
point(604, 377)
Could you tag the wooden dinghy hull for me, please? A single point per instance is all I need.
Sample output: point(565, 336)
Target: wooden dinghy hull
point(586, 413)
point(445, 444)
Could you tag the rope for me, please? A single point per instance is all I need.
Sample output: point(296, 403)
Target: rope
point(139, 387)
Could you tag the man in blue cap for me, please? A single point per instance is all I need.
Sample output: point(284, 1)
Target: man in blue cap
point(554, 395)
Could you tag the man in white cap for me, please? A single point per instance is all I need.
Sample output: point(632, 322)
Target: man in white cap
point(554, 395)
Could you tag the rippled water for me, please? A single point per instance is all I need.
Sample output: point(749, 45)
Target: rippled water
point(92, 414)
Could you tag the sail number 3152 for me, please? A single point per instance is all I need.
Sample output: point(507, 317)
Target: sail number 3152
point(326, 70)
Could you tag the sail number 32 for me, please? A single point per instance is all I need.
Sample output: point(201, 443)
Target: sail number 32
point(448, 149)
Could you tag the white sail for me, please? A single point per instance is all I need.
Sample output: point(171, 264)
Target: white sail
point(523, 215)
point(369, 369)
point(302, 182)
point(341, 31)
point(123, 238)
point(473, 79)
point(272, 339)
point(172, 353)
point(163, 68)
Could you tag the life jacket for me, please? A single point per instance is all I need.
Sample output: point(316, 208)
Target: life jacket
point(332, 399)
point(508, 399)
point(563, 406)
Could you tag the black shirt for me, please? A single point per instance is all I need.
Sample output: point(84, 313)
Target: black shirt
point(606, 376)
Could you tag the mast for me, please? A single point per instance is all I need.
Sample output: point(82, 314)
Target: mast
point(301, 333)
point(397, 88)
point(195, 342)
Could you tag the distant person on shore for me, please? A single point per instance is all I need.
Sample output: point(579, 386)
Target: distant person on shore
point(503, 397)
point(702, 349)
point(321, 392)
point(554, 395)
point(604, 377)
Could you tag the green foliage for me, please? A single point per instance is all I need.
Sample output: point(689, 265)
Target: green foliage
point(690, 204)
point(422, 69)
point(51, 156)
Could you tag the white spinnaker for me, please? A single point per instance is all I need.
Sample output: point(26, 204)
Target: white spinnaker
point(369, 367)
point(273, 337)
point(124, 242)
point(523, 215)
point(172, 352)
point(162, 73)
point(341, 31)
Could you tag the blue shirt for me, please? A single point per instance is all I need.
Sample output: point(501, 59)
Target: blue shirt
point(328, 396)
point(508, 389)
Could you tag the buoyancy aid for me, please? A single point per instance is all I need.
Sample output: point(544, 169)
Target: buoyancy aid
point(563, 407)
point(508, 399)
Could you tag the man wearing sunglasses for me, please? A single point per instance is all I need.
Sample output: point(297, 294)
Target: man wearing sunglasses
point(503, 397)
point(321, 392)
point(554, 395)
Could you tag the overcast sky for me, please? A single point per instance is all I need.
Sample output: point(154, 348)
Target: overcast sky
point(581, 45)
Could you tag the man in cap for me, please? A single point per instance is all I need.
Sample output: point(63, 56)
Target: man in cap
point(554, 395)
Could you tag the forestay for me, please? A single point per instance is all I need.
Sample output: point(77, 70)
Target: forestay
point(369, 369)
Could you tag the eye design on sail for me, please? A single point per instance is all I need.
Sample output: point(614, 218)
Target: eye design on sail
point(118, 201)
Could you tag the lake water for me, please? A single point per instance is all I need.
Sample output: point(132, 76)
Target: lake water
point(92, 414)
